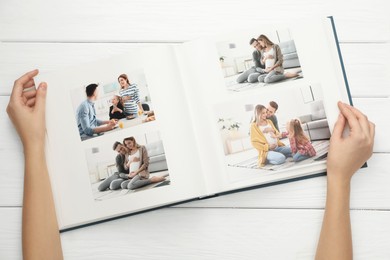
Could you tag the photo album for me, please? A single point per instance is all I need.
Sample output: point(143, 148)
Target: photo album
point(168, 123)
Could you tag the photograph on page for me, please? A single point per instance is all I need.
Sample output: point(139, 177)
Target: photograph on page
point(273, 131)
point(111, 102)
point(258, 59)
point(125, 164)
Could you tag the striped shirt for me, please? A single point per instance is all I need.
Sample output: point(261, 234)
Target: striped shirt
point(130, 105)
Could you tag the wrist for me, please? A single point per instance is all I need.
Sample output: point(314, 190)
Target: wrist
point(338, 182)
point(34, 149)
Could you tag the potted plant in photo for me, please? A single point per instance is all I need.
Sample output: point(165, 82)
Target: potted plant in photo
point(230, 126)
point(222, 60)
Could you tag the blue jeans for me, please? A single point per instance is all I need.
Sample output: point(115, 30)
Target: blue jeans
point(278, 155)
point(300, 157)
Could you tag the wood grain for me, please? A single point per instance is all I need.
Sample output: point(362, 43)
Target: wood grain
point(208, 234)
point(135, 21)
point(277, 222)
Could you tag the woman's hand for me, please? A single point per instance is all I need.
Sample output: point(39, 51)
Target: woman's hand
point(136, 159)
point(132, 174)
point(272, 146)
point(116, 109)
point(348, 153)
point(124, 98)
point(27, 110)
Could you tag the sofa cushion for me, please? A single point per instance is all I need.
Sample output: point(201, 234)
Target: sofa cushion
point(155, 148)
point(290, 56)
point(156, 158)
point(287, 47)
point(323, 123)
point(317, 110)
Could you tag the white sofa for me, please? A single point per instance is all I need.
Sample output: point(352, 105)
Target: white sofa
point(315, 124)
point(157, 160)
point(290, 55)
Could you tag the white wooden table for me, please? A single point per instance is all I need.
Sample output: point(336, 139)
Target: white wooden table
point(278, 222)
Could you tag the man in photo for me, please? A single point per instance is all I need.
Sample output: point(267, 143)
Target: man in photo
point(271, 110)
point(114, 181)
point(87, 122)
point(253, 73)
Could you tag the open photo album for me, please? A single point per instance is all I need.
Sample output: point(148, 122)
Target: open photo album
point(169, 123)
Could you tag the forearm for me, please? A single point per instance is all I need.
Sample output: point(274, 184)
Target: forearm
point(40, 234)
point(335, 239)
point(101, 129)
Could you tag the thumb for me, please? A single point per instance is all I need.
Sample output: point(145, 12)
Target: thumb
point(40, 102)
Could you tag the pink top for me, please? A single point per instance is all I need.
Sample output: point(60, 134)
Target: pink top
point(304, 149)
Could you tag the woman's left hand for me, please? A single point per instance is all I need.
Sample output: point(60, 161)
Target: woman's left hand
point(26, 109)
point(132, 174)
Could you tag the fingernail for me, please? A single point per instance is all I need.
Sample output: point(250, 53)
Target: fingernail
point(43, 87)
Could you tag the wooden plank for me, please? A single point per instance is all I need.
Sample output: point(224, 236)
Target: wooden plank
point(376, 109)
point(207, 234)
point(175, 20)
point(375, 178)
point(367, 76)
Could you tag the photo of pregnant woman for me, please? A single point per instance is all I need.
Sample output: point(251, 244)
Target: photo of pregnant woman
point(139, 164)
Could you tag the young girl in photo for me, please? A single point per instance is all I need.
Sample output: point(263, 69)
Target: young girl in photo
point(300, 145)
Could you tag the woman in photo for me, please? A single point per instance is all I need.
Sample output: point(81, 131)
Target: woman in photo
point(137, 163)
point(117, 109)
point(264, 137)
point(272, 59)
point(130, 97)
point(301, 147)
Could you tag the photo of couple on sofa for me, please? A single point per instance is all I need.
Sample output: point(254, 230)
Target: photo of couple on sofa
point(260, 61)
point(268, 62)
point(134, 164)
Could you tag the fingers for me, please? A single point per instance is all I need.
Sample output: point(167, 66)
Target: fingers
point(350, 116)
point(372, 130)
point(29, 84)
point(362, 118)
point(40, 103)
point(31, 102)
point(29, 94)
point(20, 83)
point(339, 127)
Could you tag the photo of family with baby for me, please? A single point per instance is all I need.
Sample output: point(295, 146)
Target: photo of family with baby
point(274, 131)
point(139, 164)
point(274, 59)
point(112, 106)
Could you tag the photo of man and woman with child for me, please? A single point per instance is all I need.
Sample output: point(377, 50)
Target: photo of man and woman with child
point(111, 106)
point(123, 167)
point(274, 131)
point(250, 62)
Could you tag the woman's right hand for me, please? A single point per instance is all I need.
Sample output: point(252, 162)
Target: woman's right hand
point(348, 153)
point(125, 98)
point(272, 146)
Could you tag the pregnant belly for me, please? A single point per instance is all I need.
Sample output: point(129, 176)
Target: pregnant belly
point(134, 166)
